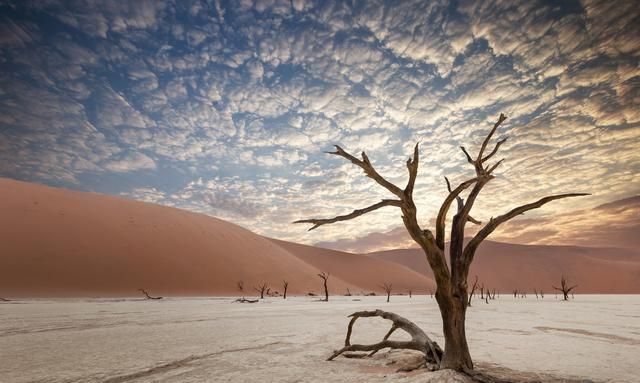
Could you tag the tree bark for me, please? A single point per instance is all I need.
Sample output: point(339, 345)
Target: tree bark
point(453, 310)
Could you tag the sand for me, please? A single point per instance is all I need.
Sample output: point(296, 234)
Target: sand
point(59, 243)
point(506, 267)
point(203, 340)
point(56, 242)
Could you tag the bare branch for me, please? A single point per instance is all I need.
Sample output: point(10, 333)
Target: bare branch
point(473, 220)
point(488, 138)
point(444, 209)
point(495, 149)
point(469, 159)
point(412, 166)
point(369, 170)
point(317, 222)
point(491, 169)
point(495, 222)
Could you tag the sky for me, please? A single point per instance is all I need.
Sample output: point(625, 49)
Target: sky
point(227, 108)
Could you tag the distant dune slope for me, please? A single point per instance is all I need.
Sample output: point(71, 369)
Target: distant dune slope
point(508, 266)
point(369, 273)
point(56, 242)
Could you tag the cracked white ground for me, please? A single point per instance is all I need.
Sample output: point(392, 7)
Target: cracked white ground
point(213, 340)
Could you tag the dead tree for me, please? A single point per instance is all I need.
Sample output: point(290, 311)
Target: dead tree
point(285, 285)
point(419, 340)
point(143, 291)
point(348, 294)
point(515, 293)
point(565, 288)
point(409, 293)
point(387, 289)
point(261, 288)
point(473, 289)
point(451, 281)
point(4, 299)
point(324, 277)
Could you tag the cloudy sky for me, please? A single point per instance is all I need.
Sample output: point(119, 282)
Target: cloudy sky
point(226, 108)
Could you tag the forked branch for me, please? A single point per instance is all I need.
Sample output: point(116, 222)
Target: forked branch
point(369, 170)
point(444, 209)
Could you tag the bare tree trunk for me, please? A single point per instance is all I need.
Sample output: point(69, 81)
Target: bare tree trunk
point(387, 289)
point(473, 289)
point(324, 277)
point(456, 350)
point(565, 288)
point(262, 288)
point(285, 285)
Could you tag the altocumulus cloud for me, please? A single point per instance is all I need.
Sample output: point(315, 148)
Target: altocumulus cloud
point(225, 107)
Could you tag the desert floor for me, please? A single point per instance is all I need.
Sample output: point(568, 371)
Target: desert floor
point(593, 337)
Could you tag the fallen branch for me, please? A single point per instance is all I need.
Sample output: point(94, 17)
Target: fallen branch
point(419, 340)
point(245, 300)
point(147, 295)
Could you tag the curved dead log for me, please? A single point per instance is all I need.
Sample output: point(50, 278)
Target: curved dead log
point(4, 299)
point(419, 340)
point(147, 295)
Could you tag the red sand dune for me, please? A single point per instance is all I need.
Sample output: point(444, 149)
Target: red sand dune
point(56, 242)
point(366, 272)
point(506, 267)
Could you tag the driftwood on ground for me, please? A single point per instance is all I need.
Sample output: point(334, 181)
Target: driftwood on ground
point(245, 300)
point(419, 340)
point(143, 291)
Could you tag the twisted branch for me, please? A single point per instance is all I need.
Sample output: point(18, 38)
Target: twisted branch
point(317, 222)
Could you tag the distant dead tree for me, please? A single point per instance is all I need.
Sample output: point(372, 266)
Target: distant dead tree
point(285, 285)
point(536, 292)
point(324, 277)
point(515, 293)
point(450, 277)
point(409, 293)
point(4, 299)
point(473, 289)
point(261, 288)
point(387, 289)
point(565, 288)
point(143, 291)
point(541, 294)
point(348, 294)
point(482, 291)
